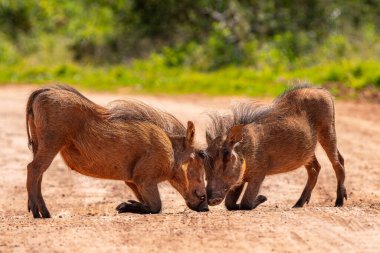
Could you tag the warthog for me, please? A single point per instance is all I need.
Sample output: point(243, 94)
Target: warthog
point(141, 146)
point(259, 140)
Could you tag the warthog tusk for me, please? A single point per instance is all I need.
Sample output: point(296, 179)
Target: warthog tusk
point(242, 170)
point(184, 168)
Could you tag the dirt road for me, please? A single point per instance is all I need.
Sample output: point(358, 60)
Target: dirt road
point(83, 208)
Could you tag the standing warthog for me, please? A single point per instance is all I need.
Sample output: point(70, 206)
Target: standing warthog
point(142, 147)
point(261, 140)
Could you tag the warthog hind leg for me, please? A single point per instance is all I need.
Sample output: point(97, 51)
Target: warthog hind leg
point(327, 139)
point(42, 160)
point(313, 169)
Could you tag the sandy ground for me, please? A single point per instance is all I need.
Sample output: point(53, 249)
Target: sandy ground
point(83, 208)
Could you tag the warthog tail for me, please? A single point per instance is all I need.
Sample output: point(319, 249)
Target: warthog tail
point(29, 114)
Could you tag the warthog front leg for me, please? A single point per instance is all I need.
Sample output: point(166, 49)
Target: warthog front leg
point(250, 199)
point(234, 194)
point(135, 191)
point(232, 197)
point(151, 205)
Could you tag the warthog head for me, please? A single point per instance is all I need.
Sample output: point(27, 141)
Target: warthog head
point(195, 196)
point(189, 176)
point(224, 167)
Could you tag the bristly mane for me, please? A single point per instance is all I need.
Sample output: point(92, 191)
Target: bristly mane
point(219, 125)
point(249, 111)
point(244, 112)
point(292, 89)
point(132, 109)
point(69, 89)
point(135, 110)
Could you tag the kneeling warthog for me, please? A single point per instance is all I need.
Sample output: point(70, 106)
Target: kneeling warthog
point(128, 141)
point(259, 140)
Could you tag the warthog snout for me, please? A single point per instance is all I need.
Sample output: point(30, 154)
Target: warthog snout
point(215, 201)
point(214, 198)
point(199, 202)
point(201, 195)
point(203, 207)
point(215, 194)
point(200, 207)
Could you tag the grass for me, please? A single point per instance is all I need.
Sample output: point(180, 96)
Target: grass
point(152, 77)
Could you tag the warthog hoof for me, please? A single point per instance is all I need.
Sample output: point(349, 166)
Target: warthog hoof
point(342, 194)
point(133, 207)
point(38, 211)
point(259, 200)
point(301, 202)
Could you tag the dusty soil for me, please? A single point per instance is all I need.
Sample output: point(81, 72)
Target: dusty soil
point(83, 208)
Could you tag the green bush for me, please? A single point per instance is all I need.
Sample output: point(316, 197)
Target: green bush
point(213, 47)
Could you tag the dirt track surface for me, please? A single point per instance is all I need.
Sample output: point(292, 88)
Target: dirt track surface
point(83, 208)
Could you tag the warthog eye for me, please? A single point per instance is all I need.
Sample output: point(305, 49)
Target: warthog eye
point(226, 154)
point(202, 154)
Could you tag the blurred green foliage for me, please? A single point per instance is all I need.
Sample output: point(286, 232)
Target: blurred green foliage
point(248, 47)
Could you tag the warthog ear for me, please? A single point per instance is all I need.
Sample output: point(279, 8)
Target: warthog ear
point(235, 135)
point(190, 132)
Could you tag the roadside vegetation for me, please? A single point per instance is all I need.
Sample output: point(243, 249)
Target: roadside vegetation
point(247, 47)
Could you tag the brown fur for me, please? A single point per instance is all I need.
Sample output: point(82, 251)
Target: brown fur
point(271, 139)
point(98, 142)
